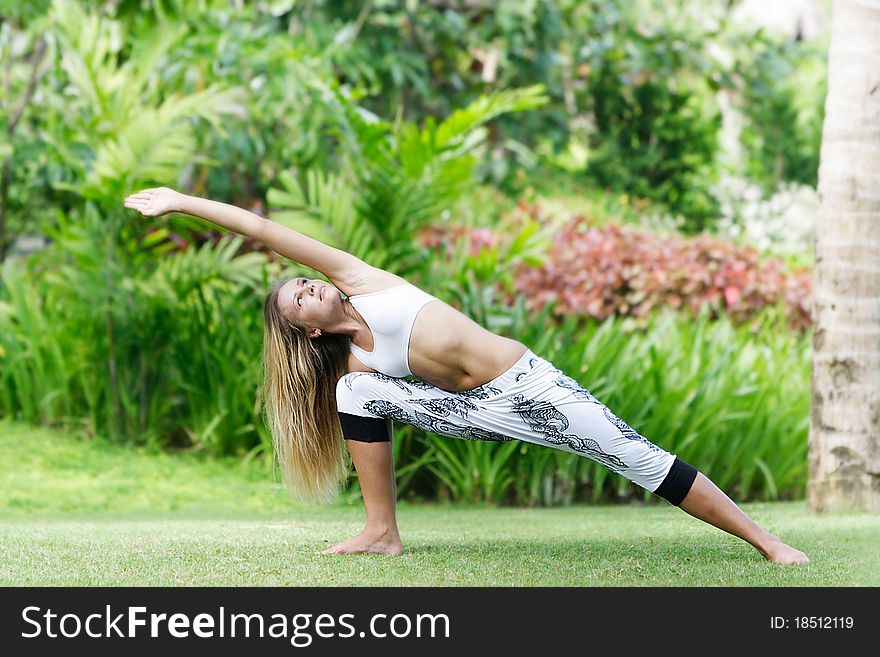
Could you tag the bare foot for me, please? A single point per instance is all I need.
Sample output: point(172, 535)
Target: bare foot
point(779, 552)
point(369, 542)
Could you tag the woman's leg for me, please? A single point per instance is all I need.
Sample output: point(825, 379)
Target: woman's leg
point(708, 503)
point(649, 466)
point(555, 410)
point(375, 469)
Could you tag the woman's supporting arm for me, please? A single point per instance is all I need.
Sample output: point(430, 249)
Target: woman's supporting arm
point(374, 463)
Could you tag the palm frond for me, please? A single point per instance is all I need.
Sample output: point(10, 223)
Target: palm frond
point(487, 107)
point(324, 210)
point(211, 265)
point(403, 176)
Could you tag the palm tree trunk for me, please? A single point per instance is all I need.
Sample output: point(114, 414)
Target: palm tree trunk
point(844, 464)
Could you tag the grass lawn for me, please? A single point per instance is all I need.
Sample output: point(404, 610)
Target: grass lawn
point(86, 513)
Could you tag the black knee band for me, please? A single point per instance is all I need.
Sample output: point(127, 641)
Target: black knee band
point(364, 429)
point(677, 483)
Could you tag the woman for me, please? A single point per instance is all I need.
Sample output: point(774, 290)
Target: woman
point(336, 356)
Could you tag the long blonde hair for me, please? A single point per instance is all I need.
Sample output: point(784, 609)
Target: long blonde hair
point(299, 403)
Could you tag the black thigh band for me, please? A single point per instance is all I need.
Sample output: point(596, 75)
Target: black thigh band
point(364, 429)
point(677, 483)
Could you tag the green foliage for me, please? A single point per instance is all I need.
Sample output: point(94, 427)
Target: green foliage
point(366, 125)
point(629, 90)
point(428, 59)
point(185, 334)
point(651, 92)
point(284, 116)
point(23, 63)
point(19, 12)
point(478, 473)
point(116, 131)
point(397, 179)
point(122, 130)
point(784, 87)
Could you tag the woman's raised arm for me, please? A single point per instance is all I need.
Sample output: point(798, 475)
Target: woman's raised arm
point(335, 264)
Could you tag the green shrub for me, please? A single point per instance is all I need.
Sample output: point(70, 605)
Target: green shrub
point(783, 100)
point(185, 341)
point(651, 93)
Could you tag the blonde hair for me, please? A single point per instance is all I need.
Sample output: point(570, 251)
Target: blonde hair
point(299, 403)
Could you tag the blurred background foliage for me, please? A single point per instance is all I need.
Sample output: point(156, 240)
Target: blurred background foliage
point(627, 187)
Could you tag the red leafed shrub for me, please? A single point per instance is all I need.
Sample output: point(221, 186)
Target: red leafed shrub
point(598, 272)
point(444, 239)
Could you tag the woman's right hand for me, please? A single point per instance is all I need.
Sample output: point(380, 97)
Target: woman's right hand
point(154, 202)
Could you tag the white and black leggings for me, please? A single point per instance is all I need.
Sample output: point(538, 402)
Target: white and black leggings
point(531, 401)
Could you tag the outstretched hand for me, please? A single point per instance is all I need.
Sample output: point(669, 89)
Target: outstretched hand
point(153, 202)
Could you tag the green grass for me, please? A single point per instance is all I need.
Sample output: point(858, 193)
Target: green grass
point(87, 513)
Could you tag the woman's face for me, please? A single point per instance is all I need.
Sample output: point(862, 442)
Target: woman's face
point(313, 303)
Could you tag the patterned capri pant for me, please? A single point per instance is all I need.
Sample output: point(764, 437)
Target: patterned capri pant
point(532, 401)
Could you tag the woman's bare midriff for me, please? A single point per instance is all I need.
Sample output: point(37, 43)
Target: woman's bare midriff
point(451, 351)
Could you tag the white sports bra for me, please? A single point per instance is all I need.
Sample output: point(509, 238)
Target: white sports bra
point(390, 314)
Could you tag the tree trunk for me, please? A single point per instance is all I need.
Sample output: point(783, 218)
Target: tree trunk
point(845, 416)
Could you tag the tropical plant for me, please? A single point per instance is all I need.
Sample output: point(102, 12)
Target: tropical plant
point(117, 128)
point(396, 179)
point(784, 84)
point(186, 332)
point(114, 129)
point(120, 135)
point(24, 62)
point(624, 271)
point(651, 90)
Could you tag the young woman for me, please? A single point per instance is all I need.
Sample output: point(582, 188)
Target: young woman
point(336, 360)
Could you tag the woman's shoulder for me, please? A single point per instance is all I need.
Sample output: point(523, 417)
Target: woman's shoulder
point(367, 280)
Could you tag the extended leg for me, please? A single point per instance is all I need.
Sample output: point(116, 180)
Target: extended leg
point(708, 503)
point(558, 411)
point(375, 469)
